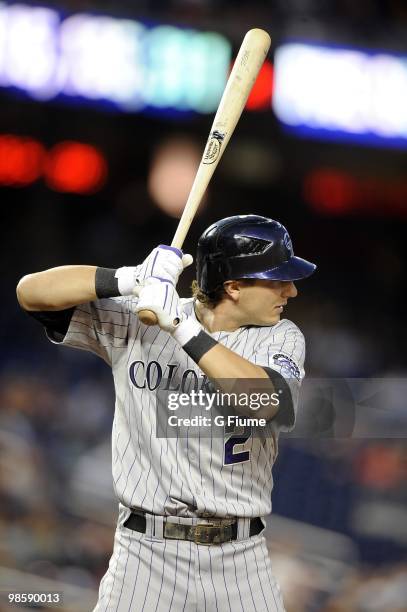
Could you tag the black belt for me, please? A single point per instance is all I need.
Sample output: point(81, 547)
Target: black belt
point(216, 531)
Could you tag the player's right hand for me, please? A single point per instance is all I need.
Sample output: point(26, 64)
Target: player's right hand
point(165, 263)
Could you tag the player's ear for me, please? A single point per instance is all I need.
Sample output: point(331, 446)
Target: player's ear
point(232, 289)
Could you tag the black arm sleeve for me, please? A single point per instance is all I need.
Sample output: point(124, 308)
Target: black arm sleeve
point(285, 415)
point(55, 320)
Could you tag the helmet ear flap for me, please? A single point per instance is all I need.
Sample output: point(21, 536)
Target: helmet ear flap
point(214, 272)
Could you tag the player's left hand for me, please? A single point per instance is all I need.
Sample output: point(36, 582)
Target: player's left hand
point(162, 298)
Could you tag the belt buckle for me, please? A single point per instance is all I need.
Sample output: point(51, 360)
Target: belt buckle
point(208, 533)
point(202, 533)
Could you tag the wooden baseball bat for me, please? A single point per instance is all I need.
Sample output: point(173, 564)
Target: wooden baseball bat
point(252, 53)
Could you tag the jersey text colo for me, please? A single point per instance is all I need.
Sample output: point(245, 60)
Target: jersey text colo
point(153, 375)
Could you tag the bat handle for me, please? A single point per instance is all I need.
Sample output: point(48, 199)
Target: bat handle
point(148, 317)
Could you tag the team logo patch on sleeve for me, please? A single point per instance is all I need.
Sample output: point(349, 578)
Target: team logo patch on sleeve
point(288, 367)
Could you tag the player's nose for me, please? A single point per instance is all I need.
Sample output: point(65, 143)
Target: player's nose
point(290, 290)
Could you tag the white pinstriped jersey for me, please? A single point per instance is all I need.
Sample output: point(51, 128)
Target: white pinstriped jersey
point(182, 476)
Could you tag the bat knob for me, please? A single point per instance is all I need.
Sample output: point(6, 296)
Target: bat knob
point(148, 317)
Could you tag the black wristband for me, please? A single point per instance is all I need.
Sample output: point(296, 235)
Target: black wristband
point(199, 345)
point(106, 284)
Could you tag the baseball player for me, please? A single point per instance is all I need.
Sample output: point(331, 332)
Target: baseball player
point(191, 508)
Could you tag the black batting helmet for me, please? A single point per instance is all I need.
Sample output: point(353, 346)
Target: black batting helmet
point(247, 246)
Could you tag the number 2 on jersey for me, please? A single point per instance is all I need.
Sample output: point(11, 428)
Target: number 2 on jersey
point(229, 455)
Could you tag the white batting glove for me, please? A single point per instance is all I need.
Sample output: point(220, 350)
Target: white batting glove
point(164, 263)
point(162, 298)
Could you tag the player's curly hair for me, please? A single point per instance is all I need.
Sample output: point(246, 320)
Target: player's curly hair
point(212, 298)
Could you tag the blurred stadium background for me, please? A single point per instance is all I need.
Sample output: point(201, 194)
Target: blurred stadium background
point(104, 111)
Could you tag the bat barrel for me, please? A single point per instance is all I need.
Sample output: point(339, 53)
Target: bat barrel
point(249, 60)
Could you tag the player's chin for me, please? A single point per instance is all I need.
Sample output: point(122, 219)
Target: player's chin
point(272, 319)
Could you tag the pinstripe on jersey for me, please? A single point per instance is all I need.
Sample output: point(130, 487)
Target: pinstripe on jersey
point(184, 476)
